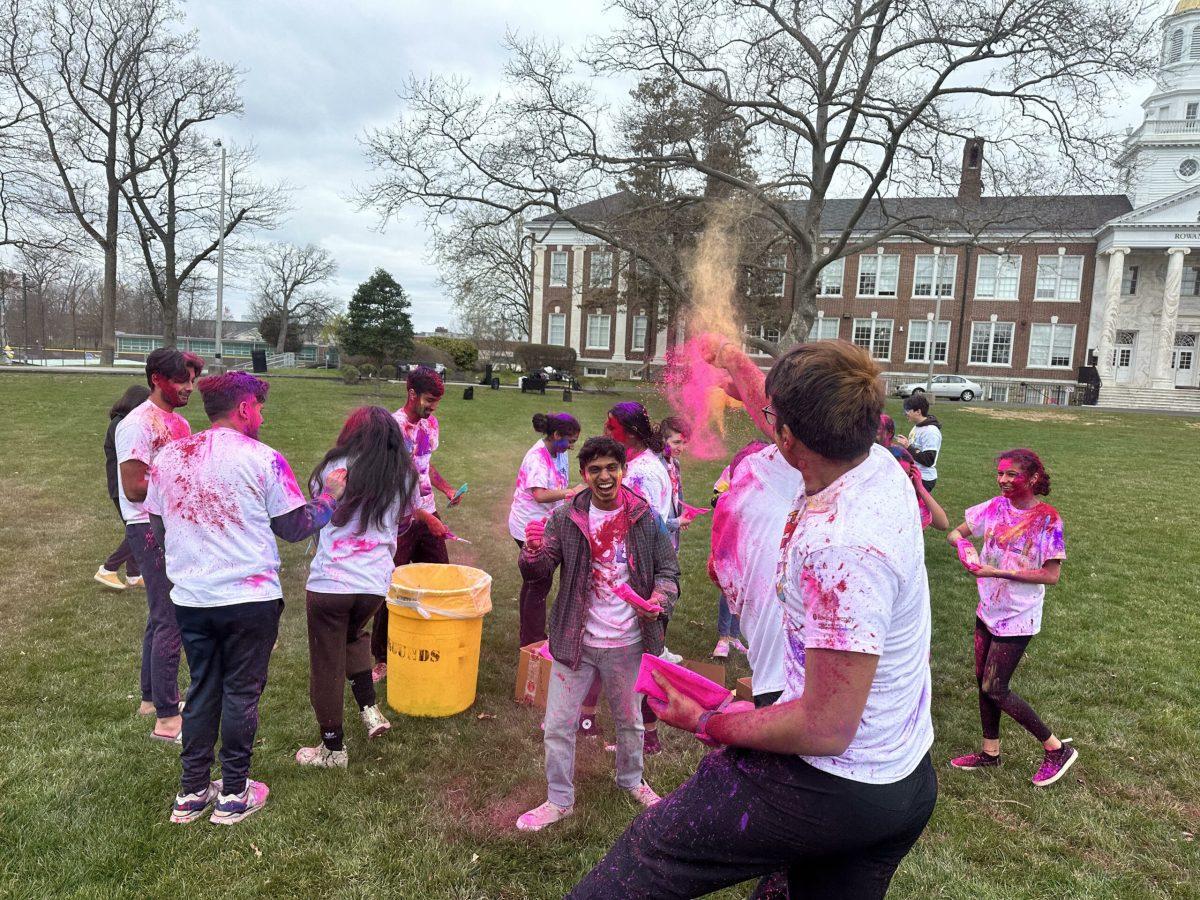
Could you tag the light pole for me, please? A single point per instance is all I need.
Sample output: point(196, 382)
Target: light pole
point(220, 257)
point(933, 318)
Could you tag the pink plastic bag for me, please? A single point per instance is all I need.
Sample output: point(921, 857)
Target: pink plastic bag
point(707, 693)
point(634, 599)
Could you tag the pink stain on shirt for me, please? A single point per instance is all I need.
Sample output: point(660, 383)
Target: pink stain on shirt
point(824, 604)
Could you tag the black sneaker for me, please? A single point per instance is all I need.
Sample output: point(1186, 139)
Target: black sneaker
point(973, 761)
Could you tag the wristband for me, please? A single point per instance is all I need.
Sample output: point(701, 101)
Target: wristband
point(701, 732)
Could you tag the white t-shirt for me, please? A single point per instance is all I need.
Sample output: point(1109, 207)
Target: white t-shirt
point(646, 475)
point(926, 437)
point(853, 579)
point(611, 622)
point(1014, 539)
point(538, 470)
point(217, 492)
point(746, 532)
point(350, 561)
point(421, 438)
point(141, 435)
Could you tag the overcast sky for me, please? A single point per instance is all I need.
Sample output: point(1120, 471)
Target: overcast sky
point(318, 73)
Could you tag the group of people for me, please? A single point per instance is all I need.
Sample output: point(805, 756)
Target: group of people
point(821, 785)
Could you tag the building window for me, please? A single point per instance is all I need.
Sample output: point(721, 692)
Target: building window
point(1188, 168)
point(1129, 281)
point(1051, 346)
point(558, 329)
point(829, 281)
point(595, 372)
point(1195, 43)
point(878, 274)
point(874, 335)
point(1176, 50)
point(598, 328)
point(825, 329)
point(640, 327)
point(1191, 281)
point(776, 277)
point(558, 268)
point(991, 343)
point(918, 340)
point(1190, 111)
point(998, 277)
point(923, 272)
point(1058, 277)
point(997, 393)
point(600, 269)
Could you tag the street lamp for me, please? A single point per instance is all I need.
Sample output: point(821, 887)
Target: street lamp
point(933, 318)
point(220, 257)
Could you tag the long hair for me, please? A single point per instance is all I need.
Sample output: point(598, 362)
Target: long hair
point(379, 470)
point(636, 421)
point(549, 423)
point(1031, 465)
point(135, 395)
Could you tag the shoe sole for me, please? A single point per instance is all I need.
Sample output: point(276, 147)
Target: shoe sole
point(189, 817)
point(533, 828)
point(1060, 773)
point(376, 732)
point(973, 768)
point(233, 820)
point(111, 587)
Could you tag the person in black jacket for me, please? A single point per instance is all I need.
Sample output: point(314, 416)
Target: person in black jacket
point(107, 574)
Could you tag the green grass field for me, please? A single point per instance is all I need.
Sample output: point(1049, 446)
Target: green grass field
point(429, 811)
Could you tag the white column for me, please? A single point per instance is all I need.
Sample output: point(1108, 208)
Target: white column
point(579, 317)
point(1108, 313)
point(1165, 339)
point(660, 345)
point(539, 275)
point(620, 337)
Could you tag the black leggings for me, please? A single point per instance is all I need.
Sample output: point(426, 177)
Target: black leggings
point(996, 659)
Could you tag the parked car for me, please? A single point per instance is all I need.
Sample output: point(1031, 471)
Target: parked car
point(952, 387)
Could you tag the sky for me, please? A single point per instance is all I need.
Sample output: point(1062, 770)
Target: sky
point(318, 74)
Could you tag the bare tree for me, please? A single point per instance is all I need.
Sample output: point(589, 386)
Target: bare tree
point(837, 98)
point(288, 286)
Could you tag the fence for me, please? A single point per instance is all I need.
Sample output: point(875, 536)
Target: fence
point(994, 390)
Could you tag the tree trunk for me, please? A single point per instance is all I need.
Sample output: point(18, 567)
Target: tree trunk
point(281, 340)
point(108, 300)
point(170, 313)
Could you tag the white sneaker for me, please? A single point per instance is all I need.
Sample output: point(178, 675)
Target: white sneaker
point(644, 794)
point(190, 807)
point(670, 657)
point(721, 651)
point(232, 808)
point(134, 581)
point(109, 579)
point(546, 814)
point(375, 721)
point(322, 757)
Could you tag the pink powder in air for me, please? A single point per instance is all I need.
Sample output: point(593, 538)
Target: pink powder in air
point(690, 385)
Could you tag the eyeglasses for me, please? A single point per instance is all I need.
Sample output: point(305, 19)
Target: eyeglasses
point(770, 415)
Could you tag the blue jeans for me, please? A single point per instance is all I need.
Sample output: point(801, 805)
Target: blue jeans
point(728, 625)
point(228, 649)
point(160, 642)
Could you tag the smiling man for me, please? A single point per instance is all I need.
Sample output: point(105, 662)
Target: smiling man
point(610, 547)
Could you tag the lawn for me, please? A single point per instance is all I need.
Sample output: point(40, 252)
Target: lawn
point(429, 811)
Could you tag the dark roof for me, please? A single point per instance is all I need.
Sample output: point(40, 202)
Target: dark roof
point(987, 215)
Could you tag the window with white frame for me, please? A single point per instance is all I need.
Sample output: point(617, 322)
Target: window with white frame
point(997, 277)
point(640, 327)
point(874, 335)
point(761, 332)
point(1051, 346)
point(595, 372)
point(600, 269)
point(558, 268)
point(919, 344)
point(825, 328)
point(991, 343)
point(878, 274)
point(829, 281)
point(924, 270)
point(997, 392)
point(1058, 277)
point(1175, 51)
point(558, 330)
point(1196, 43)
point(1129, 281)
point(1191, 281)
point(776, 276)
point(598, 328)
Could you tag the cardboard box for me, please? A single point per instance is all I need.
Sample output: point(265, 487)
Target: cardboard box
point(711, 671)
point(533, 676)
point(744, 691)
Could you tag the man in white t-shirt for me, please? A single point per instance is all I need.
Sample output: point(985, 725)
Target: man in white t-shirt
point(138, 439)
point(924, 442)
point(833, 783)
point(217, 500)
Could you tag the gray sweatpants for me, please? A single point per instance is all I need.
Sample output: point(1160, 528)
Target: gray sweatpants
point(617, 668)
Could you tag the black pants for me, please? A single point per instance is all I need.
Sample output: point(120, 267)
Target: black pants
point(745, 814)
point(123, 555)
point(996, 659)
point(416, 545)
point(929, 485)
point(228, 650)
point(532, 606)
point(338, 648)
point(160, 641)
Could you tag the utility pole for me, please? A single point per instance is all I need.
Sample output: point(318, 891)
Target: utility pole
point(25, 312)
point(3, 315)
point(936, 316)
point(221, 260)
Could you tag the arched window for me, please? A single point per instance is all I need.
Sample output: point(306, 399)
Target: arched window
point(1176, 52)
point(1195, 51)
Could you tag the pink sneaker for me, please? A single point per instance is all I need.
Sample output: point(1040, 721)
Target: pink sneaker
point(378, 672)
point(1055, 765)
point(978, 760)
point(232, 808)
point(546, 814)
point(644, 795)
point(721, 651)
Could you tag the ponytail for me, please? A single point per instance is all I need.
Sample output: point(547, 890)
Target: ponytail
point(555, 423)
point(636, 421)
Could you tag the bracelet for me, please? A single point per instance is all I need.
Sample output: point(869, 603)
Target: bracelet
point(702, 727)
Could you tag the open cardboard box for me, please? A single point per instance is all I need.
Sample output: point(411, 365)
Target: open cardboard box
point(744, 691)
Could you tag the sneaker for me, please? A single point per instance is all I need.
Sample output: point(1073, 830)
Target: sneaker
point(1055, 765)
point(736, 644)
point(146, 708)
point(109, 579)
point(588, 726)
point(134, 581)
point(232, 808)
point(375, 721)
point(321, 757)
point(546, 814)
point(644, 794)
point(190, 807)
point(378, 672)
point(670, 657)
point(977, 760)
point(721, 651)
point(650, 744)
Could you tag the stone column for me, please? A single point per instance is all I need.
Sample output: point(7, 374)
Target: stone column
point(620, 338)
point(578, 318)
point(1165, 339)
point(1108, 313)
point(539, 276)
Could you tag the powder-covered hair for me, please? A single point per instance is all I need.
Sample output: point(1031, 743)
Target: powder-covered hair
point(596, 447)
point(135, 395)
point(172, 364)
point(551, 423)
point(1031, 465)
point(222, 393)
point(675, 425)
point(887, 430)
point(636, 421)
point(424, 380)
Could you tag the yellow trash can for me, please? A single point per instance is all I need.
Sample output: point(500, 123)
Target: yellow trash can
point(435, 624)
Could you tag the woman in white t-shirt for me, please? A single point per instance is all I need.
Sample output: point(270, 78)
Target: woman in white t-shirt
point(352, 571)
point(543, 482)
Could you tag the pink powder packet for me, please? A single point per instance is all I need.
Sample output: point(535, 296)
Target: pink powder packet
point(968, 555)
point(633, 598)
point(707, 693)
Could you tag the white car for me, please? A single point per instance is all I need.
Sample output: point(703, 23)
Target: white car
point(952, 387)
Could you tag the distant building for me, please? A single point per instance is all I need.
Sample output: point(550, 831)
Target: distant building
point(238, 338)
